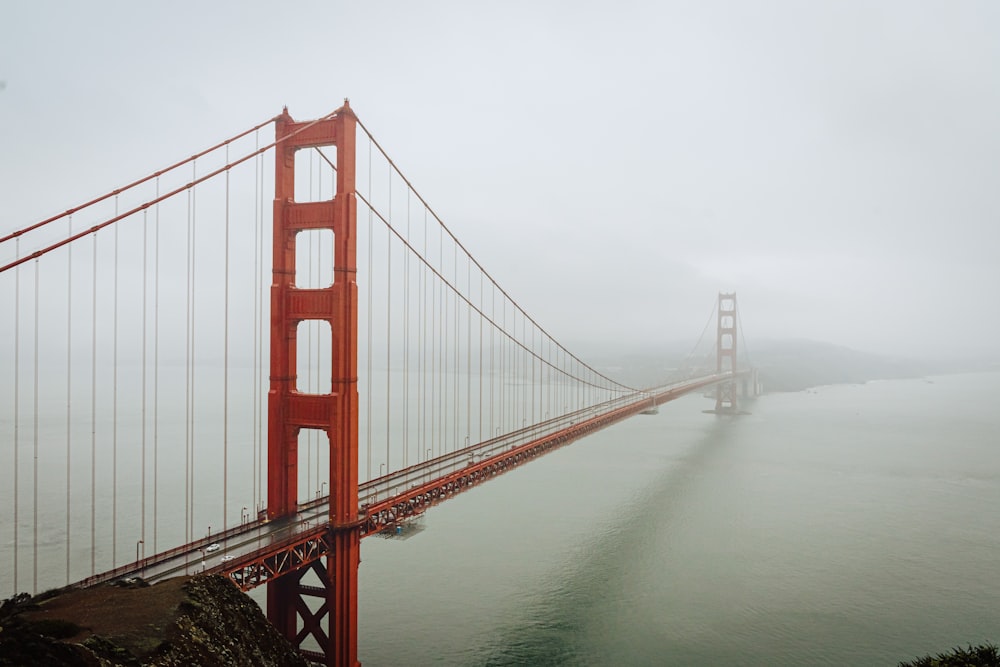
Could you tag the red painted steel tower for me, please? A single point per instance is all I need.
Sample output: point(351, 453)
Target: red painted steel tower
point(725, 354)
point(336, 412)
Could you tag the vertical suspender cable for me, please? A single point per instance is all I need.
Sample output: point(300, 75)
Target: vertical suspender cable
point(93, 419)
point(457, 326)
point(225, 371)
point(518, 373)
point(434, 341)
point(369, 276)
point(114, 411)
point(524, 371)
point(452, 323)
point(323, 472)
point(187, 380)
point(442, 338)
point(419, 360)
point(319, 282)
point(34, 468)
point(532, 360)
point(406, 338)
point(261, 396)
point(468, 352)
point(309, 332)
point(254, 389)
point(512, 359)
point(561, 398)
point(546, 398)
point(145, 316)
point(388, 326)
point(513, 356)
point(510, 395)
point(502, 380)
point(320, 382)
point(456, 353)
point(493, 328)
point(194, 303)
point(156, 366)
point(69, 384)
point(482, 308)
point(548, 373)
point(424, 371)
point(17, 394)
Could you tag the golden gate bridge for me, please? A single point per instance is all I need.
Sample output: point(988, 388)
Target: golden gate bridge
point(203, 375)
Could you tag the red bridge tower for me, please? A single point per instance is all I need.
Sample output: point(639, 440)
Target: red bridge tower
point(336, 412)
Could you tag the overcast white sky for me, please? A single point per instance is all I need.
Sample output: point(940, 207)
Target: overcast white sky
point(613, 165)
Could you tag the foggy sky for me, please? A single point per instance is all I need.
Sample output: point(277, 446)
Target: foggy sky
point(613, 165)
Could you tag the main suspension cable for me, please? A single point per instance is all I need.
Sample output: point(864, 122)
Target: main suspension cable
point(144, 179)
point(502, 327)
point(158, 198)
point(466, 251)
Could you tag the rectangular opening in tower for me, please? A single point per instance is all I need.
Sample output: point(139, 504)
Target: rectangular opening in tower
point(314, 259)
point(313, 465)
point(315, 176)
point(313, 357)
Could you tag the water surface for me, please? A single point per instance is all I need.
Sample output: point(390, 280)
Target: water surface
point(852, 524)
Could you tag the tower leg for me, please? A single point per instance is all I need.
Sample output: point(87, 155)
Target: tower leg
point(342, 598)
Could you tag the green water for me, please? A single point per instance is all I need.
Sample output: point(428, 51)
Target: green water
point(847, 525)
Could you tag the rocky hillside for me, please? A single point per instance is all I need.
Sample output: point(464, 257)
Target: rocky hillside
point(202, 620)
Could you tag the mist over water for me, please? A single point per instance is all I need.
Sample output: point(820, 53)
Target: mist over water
point(848, 524)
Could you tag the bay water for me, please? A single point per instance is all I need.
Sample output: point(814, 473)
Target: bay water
point(842, 525)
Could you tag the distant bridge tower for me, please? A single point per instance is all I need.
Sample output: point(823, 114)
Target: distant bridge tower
point(725, 355)
point(289, 601)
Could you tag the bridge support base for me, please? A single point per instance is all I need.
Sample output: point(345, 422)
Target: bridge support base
point(298, 604)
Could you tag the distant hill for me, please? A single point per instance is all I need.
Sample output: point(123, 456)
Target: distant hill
point(794, 365)
point(785, 365)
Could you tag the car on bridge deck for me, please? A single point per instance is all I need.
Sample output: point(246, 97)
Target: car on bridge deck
point(212, 547)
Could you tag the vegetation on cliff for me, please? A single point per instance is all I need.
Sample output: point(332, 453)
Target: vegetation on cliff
point(202, 620)
point(985, 655)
